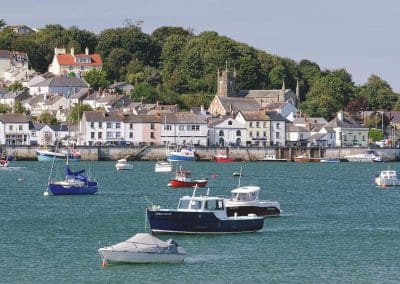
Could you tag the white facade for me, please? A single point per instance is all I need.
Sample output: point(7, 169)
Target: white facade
point(184, 133)
point(278, 133)
point(14, 133)
point(227, 133)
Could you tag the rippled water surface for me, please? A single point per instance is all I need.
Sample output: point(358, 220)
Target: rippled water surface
point(336, 225)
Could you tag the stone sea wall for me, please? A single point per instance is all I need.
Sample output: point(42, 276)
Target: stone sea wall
point(95, 153)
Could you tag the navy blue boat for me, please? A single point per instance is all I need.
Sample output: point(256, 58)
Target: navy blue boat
point(200, 215)
point(75, 183)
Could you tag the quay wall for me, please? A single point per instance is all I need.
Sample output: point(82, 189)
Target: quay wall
point(95, 153)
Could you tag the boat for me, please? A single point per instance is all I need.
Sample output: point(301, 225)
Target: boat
point(75, 183)
point(223, 158)
point(272, 158)
point(163, 167)
point(46, 155)
point(330, 160)
point(143, 248)
point(237, 174)
point(4, 163)
point(305, 158)
point(182, 153)
point(387, 178)
point(183, 178)
point(369, 156)
point(123, 164)
point(202, 214)
point(244, 201)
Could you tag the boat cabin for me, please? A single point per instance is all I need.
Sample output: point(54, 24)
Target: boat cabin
point(183, 175)
point(245, 194)
point(388, 175)
point(201, 203)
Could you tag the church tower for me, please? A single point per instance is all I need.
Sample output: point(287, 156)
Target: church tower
point(226, 83)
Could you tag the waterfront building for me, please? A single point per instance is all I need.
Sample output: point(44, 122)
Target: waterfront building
point(226, 132)
point(14, 129)
point(142, 129)
point(78, 64)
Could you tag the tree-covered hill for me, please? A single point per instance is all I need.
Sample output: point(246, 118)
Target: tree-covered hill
point(173, 65)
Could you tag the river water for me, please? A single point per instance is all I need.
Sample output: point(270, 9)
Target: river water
point(336, 225)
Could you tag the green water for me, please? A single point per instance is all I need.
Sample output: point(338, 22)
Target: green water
point(336, 226)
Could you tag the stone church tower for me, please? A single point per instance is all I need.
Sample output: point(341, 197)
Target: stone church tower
point(226, 83)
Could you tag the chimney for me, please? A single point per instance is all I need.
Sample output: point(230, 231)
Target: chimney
point(72, 51)
point(340, 115)
point(87, 50)
point(202, 109)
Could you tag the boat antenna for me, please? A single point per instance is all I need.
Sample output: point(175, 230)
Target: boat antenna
point(240, 175)
point(208, 191)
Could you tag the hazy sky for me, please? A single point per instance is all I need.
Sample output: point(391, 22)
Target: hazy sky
point(358, 35)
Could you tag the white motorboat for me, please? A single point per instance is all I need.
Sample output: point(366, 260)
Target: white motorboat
point(369, 156)
point(123, 164)
point(163, 167)
point(330, 160)
point(272, 158)
point(387, 178)
point(244, 201)
point(143, 248)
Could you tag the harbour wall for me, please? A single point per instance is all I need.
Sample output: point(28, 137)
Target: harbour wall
point(99, 153)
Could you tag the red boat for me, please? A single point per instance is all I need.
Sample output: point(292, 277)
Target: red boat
point(183, 178)
point(3, 163)
point(222, 158)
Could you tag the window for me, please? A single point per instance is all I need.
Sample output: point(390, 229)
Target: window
point(109, 134)
point(100, 125)
point(264, 124)
point(230, 122)
point(257, 124)
point(278, 125)
point(345, 137)
point(265, 133)
point(181, 127)
point(91, 135)
point(108, 124)
point(82, 67)
point(100, 135)
point(33, 133)
point(19, 127)
point(277, 135)
point(92, 125)
point(151, 134)
point(238, 133)
point(251, 124)
point(10, 127)
point(363, 138)
point(152, 126)
point(130, 134)
point(251, 134)
point(257, 134)
point(70, 67)
point(118, 125)
point(117, 134)
point(167, 127)
point(221, 133)
point(130, 125)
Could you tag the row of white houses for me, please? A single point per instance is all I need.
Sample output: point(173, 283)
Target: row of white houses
point(246, 128)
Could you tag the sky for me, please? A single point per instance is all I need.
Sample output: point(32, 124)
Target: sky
point(358, 35)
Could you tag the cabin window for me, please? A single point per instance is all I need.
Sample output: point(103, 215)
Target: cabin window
point(214, 205)
point(195, 204)
point(183, 204)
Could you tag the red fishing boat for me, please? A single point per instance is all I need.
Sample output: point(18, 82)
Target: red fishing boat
point(3, 163)
point(183, 178)
point(223, 157)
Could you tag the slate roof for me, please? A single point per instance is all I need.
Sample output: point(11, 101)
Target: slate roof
point(61, 81)
point(96, 115)
point(237, 103)
point(5, 54)
point(345, 123)
point(34, 125)
point(183, 118)
point(142, 118)
point(13, 118)
point(254, 115)
point(262, 93)
point(295, 128)
point(275, 116)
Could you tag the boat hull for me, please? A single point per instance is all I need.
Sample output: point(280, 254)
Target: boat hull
point(186, 222)
point(306, 159)
point(178, 157)
point(224, 160)
point(179, 183)
point(267, 211)
point(139, 257)
point(387, 182)
point(58, 189)
point(48, 157)
point(123, 167)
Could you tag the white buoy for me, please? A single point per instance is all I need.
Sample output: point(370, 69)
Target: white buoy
point(46, 193)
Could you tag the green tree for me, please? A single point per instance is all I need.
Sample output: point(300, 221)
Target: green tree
point(375, 134)
point(145, 91)
point(96, 78)
point(2, 23)
point(47, 118)
point(116, 62)
point(15, 87)
point(4, 108)
point(378, 93)
point(19, 108)
point(76, 112)
point(7, 36)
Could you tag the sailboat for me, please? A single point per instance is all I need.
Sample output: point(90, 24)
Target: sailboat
point(75, 183)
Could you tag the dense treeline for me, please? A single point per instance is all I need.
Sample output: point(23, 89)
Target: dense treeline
point(173, 65)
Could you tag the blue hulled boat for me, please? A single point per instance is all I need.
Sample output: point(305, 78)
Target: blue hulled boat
point(75, 183)
point(184, 153)
point(200, 215)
